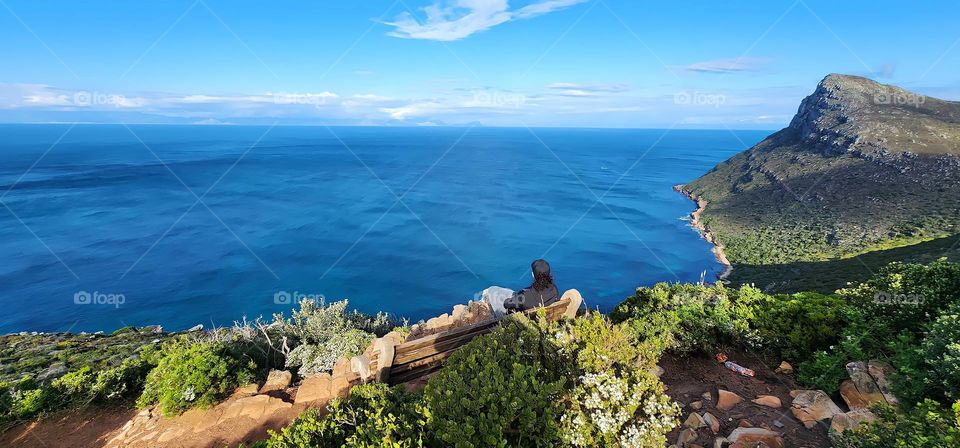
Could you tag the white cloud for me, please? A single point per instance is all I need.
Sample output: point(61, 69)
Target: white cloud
point(743, 64)
point(586, 90)
point(456, 19)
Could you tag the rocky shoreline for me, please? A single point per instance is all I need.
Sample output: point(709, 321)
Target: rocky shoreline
point(705, 231)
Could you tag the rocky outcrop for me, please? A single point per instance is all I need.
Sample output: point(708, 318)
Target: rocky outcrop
point(812, 406)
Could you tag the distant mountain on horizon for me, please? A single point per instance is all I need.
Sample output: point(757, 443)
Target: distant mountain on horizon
point(862, 167)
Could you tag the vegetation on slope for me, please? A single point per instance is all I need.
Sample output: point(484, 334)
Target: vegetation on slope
point(585, 382)
point(859, 169)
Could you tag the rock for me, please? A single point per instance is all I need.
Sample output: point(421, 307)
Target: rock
point(53, 372)
point(712, 421)
point(743, 423)
point(811, 406)
point(395, 337)
point(726, 400)
point(694, 421)
point(852, 396)
point(850, 420)
point(314, 389)
point(768, 401)
point(246, 391)
point(256, 407)
point(198, 327)
point(880, 371)
point(749, 437)
point(794, 393)
point(276, 380)
point(696, 405)
point(719, 441)
point(866, 387)
point(657, 371)
point(341, 367)
point(340, 385)
point(706, 396)
point(778, 423)
point(785, 368)
point(686, 436)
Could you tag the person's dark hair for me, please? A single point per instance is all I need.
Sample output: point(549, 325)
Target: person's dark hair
point(542, 279)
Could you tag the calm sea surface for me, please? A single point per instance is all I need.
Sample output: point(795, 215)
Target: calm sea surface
point(107, 226)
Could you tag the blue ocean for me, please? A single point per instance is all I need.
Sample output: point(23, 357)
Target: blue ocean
point(104, 226)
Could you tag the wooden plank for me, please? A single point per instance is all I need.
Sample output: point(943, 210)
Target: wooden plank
point(553, 311)
point(440, 346)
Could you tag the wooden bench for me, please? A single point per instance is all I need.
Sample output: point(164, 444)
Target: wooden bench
point(399, 363)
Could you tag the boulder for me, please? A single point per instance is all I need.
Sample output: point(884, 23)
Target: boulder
point(850, 420)
point(245, 391)
point(768, 401)
point(784, 368)
point(880, 371)
point(314, 389)
point(53, 372)
point(751, 437)
point(866, 387)
point(726, 400)
point(657, 371)
point(694, 421)
point(341, 367)
point(276, 380)
point(686, 437)
point(811, 406)
point(712, 421)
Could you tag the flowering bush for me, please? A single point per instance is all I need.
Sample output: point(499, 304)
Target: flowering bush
point(618, 411)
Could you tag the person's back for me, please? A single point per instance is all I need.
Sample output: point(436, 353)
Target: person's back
point(543, 291)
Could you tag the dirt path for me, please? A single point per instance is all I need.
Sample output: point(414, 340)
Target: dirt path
point(88, 428)
point(689, 378)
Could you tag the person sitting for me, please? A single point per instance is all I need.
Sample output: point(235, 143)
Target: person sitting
point(543, 292)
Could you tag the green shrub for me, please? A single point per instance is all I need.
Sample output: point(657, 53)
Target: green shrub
point(702, 316)
point(502, 389)
point(194, 374)
point(373, 416)
point(796, 326)
point(906, 296)
point(930, 368)
point(941, 349)
point(928, 425)
point(24, 399)
point(319, 334)
point(826, 368)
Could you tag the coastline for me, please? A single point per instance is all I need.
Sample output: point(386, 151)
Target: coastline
point(705, 231)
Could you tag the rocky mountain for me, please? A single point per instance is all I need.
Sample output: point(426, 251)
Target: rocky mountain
point(862, 167)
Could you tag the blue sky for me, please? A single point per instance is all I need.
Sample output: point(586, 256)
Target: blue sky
point(589, 63)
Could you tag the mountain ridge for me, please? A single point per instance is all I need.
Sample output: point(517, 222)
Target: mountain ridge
point(862, 166)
